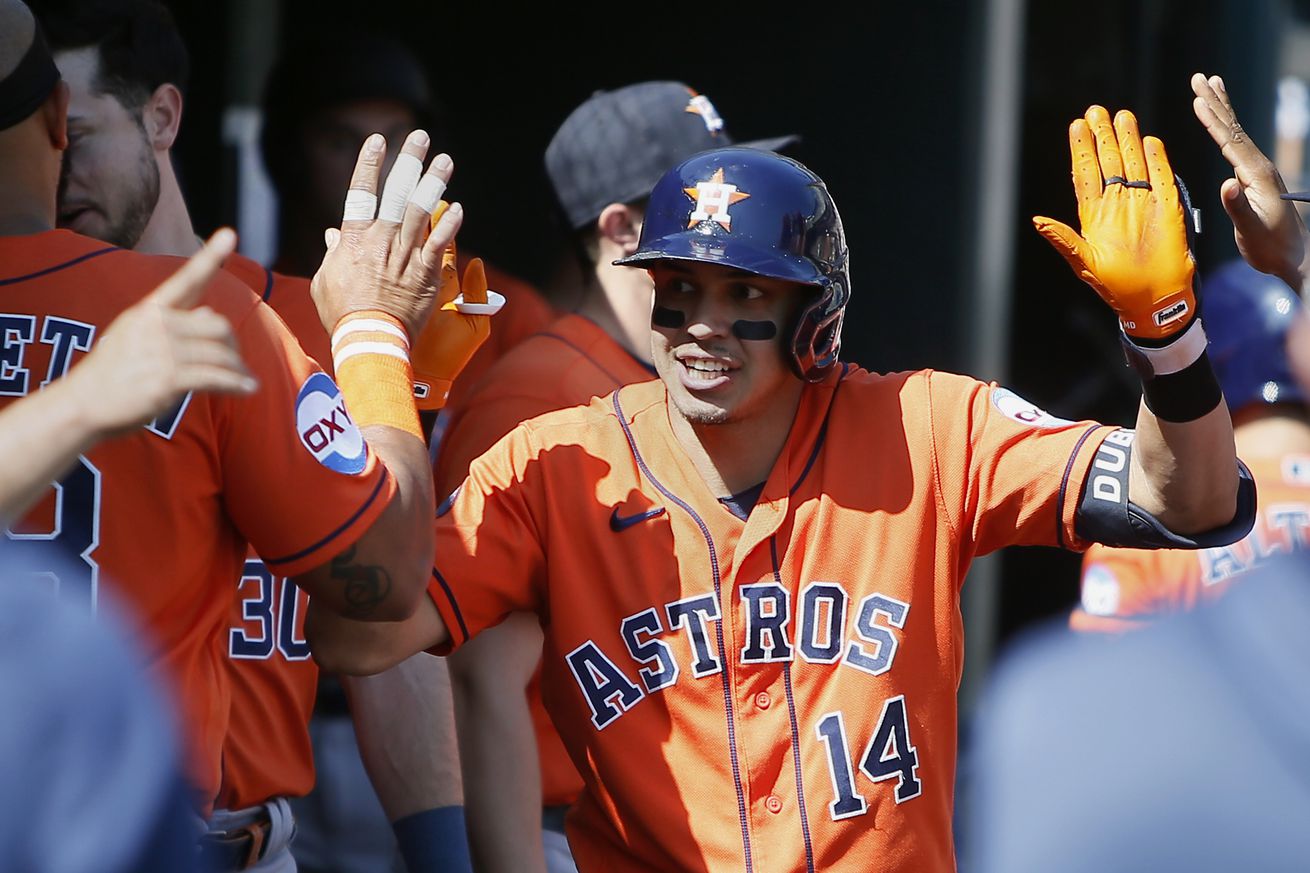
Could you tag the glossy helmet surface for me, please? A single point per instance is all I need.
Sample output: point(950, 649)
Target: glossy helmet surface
point(762, 213)
point(1247, 315)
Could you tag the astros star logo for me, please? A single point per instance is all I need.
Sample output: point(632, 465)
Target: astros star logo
point(713, 199)
point(701, 105)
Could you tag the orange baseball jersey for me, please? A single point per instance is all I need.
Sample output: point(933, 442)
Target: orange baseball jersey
point(1124, 589)
point(165, 515)
point(569, 363)
point(267, 751)
point(525, 313)
point(776, 692)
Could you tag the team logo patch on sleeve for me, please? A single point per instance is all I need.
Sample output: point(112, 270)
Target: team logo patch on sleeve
point(325, 428)
point(1100, 590)
point(1014, 407)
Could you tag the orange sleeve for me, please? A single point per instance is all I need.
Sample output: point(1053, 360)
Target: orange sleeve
point(482, 422)
point(1010, 473)
point(490, 560)
point(298, 479)
point(1127, 589)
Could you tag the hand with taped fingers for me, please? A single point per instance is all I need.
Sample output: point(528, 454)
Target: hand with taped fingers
point(1269, 231)
point(383, 258)
point(1133, 247)
point(162, 348)
point(460, 323)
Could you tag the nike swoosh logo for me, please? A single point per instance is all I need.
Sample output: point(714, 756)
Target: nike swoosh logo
point(623, 522)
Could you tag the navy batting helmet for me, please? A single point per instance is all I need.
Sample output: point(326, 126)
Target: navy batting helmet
point(765, 214)
point(1247, 315)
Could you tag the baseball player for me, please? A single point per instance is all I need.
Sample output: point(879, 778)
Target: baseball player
point(165, 514)
point(126, 66)
point(602, 163)
point(748, 572)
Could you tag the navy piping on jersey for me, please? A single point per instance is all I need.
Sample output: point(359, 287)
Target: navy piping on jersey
point(718, 595)
point(445, 506)
point(823, 434)
point(386, 474)
point(268, 285)
point(1064, 485)
point(795, 730)
point(57, 267)
point(454, 604)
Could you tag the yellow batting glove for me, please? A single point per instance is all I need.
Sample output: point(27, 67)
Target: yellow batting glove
point(1133, 248)
point(459, 324)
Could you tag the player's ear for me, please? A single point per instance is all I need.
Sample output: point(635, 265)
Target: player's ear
point(621, 225)
point(162, 116)
point(55, 112)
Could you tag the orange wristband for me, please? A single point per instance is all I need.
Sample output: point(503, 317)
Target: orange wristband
point(370, 353)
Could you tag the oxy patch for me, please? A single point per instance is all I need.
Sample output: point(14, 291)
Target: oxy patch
point(325, 428)
point(1014, 407)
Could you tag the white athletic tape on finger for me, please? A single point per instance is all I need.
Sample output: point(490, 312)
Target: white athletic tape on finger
point(428, 193)
point(361, 205)
point(495, 302)
point(401, 182)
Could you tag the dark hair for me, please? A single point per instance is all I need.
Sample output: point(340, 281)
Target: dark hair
point(140, 47)
point(333, 70)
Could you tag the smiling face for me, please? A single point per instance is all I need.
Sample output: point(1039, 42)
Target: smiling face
point(110, 183)
point(713, 374)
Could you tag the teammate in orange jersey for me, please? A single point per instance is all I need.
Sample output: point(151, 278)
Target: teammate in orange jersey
point(352, 519)
point(1248, 315)
point(748, 573)
point(126, 65)
point(602, 163)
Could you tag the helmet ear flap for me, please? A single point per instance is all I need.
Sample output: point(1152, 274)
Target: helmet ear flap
point(816, 341)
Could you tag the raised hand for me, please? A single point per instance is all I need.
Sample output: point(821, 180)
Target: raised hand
point(382, 258)
point(1269, 232)
point(1133, 248)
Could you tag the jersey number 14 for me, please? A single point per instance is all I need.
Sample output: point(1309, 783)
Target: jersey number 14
point(889, 755)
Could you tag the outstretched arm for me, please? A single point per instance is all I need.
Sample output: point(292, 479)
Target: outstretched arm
point(364, 648)
point(1133, 251)
point(374, 293)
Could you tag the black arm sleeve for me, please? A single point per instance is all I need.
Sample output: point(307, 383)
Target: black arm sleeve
point(1106, 515)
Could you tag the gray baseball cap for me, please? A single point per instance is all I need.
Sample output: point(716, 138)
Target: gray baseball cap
point(616, 146)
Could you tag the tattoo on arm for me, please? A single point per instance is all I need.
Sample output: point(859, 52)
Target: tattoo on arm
point(367, 586)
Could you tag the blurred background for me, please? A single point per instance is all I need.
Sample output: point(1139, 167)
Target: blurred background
point(940, 127)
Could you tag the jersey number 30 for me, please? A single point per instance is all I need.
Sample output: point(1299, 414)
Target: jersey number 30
point(889, 755)
point(275, 603)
